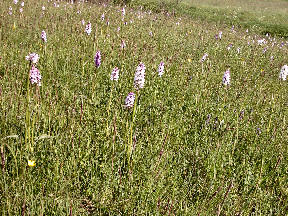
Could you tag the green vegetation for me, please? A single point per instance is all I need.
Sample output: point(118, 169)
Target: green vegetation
point(197, 147)
point(260, 16)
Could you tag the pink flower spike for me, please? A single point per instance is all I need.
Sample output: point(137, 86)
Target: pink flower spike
point(161, 68)
point(44, 36)
point(129, 101)
point(88, 28)
point(139, 78)
point(226, 78)
point(35, 76)
point(32, 57)
point(97, 59)
point(115, 74)
point(283, 73)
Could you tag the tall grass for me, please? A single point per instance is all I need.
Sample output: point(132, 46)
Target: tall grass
point(198, 147)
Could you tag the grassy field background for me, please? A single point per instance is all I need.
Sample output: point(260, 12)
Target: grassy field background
point(260, 16)
point(189, 146)
point(254, 6)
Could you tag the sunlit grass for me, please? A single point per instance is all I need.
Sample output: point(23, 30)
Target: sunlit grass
point(189, 146)
point(260, 16)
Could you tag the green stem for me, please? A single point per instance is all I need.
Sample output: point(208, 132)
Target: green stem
point(108, 109)
point(27, 120)
point(130, 144)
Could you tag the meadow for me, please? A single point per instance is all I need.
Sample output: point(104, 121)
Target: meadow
point(190, 140)
point(265, 16)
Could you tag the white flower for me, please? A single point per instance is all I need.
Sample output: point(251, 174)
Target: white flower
point(129, 101)
point(22, 4)
point(43, 8)
point(115, 74)
point(33, 57)
point(123, 44)
point(229, 46)
point(44, 36)
point(238, 50)
point(226, 77)
point(88, 28)
point(283, 72)
point(161, 68)
point(220, 35)
point(35, 76)
point(123, 11)
point(139, 78)
point(15, 1)
point(204, 57)
point(261, 42)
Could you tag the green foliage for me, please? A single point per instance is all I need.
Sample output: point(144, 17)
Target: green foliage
point(244, 19)
point(122, 2)
point(198, 147)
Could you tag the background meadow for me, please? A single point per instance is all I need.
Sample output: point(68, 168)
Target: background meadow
point(189, 146)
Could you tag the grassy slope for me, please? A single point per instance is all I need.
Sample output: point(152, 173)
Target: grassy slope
point(199, 147)
point(260, 16)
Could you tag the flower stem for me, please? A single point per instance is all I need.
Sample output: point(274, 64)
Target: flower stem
point(108, 109)
point(130, 144)
point(27, 120)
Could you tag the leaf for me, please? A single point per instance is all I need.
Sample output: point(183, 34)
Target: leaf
point(44, 136)
point(12, 136)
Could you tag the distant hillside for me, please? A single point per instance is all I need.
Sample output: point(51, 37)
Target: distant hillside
point(260, 16)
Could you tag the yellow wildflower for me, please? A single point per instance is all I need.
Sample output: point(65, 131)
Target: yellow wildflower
point(189, 60)
point(31, 163)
